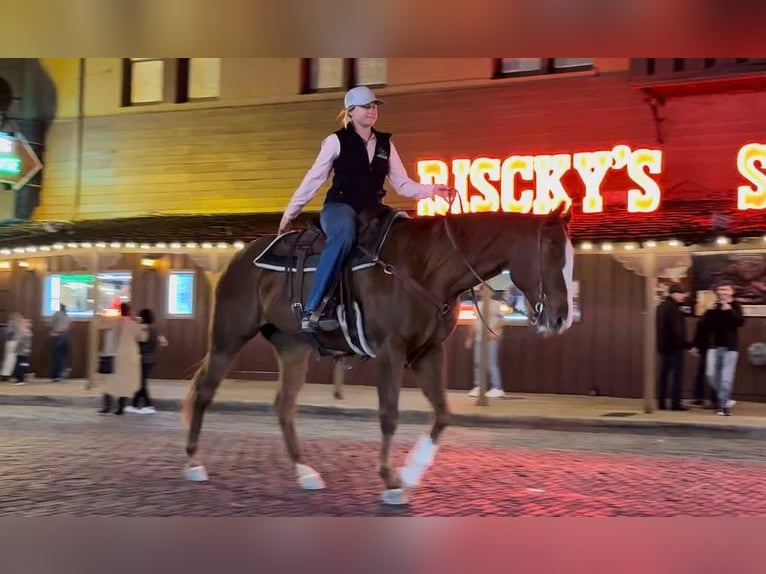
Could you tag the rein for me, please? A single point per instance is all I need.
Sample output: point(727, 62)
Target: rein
point(443, 308)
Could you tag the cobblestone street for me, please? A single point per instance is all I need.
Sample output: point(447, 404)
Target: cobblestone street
point(71, 461)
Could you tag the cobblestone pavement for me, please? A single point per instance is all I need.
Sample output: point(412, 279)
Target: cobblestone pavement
point(71, 461)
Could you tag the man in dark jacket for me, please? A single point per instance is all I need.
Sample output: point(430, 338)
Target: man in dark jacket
point(719, 329)
point(671, 344)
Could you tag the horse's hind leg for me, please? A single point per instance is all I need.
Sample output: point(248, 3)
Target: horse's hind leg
point(201, 392)
point(392, 365)
point(292, 353)
point(428, 368)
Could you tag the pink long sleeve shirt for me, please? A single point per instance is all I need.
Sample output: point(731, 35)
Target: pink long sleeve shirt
point(320, 171)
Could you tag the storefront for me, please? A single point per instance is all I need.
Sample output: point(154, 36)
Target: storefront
point(674, 191)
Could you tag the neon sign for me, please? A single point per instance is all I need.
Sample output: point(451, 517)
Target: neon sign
point(12, 164)
point(748, 156)
point(542, 190)
point(533, 184)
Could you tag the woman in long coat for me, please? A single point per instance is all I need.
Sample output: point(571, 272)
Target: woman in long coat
point(121, 344)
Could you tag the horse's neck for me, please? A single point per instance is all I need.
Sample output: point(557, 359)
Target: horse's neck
point(483, 244)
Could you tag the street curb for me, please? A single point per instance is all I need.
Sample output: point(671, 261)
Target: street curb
point(535, 422)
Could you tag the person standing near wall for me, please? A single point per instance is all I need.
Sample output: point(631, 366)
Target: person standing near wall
point(60, 324)
point(148, 349)
point(719, 327)
point(671, 344)
point(495, 322)
point(123, 371)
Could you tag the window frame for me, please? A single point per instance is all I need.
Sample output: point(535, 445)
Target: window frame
point(349, 80)
point(175, 82)
point(547, 67)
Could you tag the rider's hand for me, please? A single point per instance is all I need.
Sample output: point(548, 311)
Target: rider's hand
point(443, 191)
point(284, 226)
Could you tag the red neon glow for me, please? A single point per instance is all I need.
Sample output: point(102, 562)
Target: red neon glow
point(747, 196)
point(493, 182)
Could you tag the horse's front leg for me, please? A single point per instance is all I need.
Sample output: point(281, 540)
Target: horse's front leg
point(389, 385)
point(428, 369)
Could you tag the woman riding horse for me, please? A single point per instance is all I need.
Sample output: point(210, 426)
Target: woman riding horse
point(361, 158)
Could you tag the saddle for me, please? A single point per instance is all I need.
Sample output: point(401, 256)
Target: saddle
point(297, 253)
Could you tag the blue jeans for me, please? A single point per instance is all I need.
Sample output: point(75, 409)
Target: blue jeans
point(493, 368)
point(721, 367)
point(339, 225)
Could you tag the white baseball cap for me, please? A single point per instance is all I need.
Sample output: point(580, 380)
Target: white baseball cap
point(360, 96)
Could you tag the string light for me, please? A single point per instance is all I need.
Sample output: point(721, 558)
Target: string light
point(31, 249)
point(58, 246)
point(145, 246)
point(130, 245)
point(239, 244)
point(587, 245)
point(606, 246)
point(722, 240)
point(207, 245)
point(674, 243)
point(100, 245)
point(174, 245)
point(223, 245)
point(161, 245)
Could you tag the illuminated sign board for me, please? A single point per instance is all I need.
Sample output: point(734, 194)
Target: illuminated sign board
point(18, 161)
point(535, 183)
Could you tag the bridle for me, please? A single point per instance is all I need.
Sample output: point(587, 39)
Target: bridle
point(539, 306)
point(444, 308)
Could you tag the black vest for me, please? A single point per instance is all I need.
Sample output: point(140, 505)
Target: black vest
point(357, 181)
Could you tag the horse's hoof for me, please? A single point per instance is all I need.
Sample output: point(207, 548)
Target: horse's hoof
point(395, 497)
point(308, 478)
point(195, 473)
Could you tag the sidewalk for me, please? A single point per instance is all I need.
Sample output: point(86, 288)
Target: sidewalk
point(552, 412)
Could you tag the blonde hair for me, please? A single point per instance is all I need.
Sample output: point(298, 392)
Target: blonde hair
point(345, 116)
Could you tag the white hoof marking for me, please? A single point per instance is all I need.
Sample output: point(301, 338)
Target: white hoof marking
point(195, 473)
point(418, 460)
point(308, 478)
point(395, 497)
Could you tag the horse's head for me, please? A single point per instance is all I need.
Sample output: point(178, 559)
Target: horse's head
point(546, 280)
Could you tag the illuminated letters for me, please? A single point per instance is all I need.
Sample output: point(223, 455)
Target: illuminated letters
point(544, 173)
point(649, 199)
point(748, 156)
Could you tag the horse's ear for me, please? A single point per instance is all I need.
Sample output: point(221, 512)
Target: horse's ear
point(567, 217)
point(561, 213)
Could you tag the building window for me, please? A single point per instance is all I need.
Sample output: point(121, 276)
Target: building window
point(505, 67)
point(335, 74)
point(112, 289)
point(154, 80)
point(181, 293)
point(204, 78)
point(371, 71)
point(82, 292)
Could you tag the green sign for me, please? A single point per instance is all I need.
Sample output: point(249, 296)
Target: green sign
point(10, 165)
point(18, 161)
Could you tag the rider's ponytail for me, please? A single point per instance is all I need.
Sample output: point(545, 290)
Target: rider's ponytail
point(345, 117)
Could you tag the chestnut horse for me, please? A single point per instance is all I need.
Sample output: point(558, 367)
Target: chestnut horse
point(410, 306)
